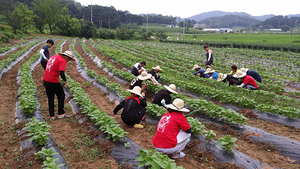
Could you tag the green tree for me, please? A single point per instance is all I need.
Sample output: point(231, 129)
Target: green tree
point(161, 35)
point(68, 26)
point(285, 28)
point(47, 12)
point(89, 30)
point(20, 19)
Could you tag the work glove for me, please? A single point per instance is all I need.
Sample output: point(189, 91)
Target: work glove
point(163, 102)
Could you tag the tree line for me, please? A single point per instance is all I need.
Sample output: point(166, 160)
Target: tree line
point(70, 18)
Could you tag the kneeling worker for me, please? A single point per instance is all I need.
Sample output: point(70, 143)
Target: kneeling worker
point(134, 108)
point(163, 97)
point(173, 131)
point(200, 72)
point(248, 81)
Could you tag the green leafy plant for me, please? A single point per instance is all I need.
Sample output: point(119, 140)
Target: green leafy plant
point(38, 130)
point(227, 142)
point(210, 135)
point(196, 125)
point(44, 153)
point(156, 160)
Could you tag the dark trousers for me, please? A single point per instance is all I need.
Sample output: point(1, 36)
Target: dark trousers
point(137, 119)
point(44, 64)
point(51, 89)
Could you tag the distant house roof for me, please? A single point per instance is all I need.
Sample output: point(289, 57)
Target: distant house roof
point(170, 25)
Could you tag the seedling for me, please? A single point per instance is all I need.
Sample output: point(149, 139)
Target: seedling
point(227, 142)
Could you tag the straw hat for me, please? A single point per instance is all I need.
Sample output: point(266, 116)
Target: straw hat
point(244, 69)
point(136, 90)
point(69, 54)
point(208, 70)
point(239, 74)
point(171, 88)
point(177, 105)
point(157, 68)
point(221, 76)
point(144, 76)
point(196, 67)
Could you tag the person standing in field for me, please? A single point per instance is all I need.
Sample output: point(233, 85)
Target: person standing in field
point(55, 67)
point(209, 57)
point(44, 52)
point(138, 68)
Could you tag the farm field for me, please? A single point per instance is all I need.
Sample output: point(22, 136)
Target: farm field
point(261, 38)
point(265, 123)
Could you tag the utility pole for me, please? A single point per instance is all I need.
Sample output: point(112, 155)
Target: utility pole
point(147, 22)
point(91, 12)
point(183, 26)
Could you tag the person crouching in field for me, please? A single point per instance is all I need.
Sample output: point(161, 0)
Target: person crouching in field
point(56, 67)
point(234, 69)
point(248, 81)
point(138, 68)
point(228, 78)
point(155, 76)
point(252, 73)
point(173, 131)
point(138, 81)
point(163, 97)
point(209, 57)
point(134, 108)
point(212, 74)
point(200, 72)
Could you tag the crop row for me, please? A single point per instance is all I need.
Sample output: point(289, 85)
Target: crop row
point(259, 100)
point(212, 109)
point(4, 63)
point(5, 49)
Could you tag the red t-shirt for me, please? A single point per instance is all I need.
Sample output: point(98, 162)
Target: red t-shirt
point(168, 128)
point(55, 64)
point(249, 80)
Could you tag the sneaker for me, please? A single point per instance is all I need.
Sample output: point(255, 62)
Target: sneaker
point(138, 126)
point(144, 117)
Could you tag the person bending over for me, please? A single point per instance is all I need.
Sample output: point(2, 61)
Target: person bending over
point(248, 81)
point(138, 68)
point(163, 97)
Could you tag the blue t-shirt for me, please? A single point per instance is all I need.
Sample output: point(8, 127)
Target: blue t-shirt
point(46, 53)
point(254, 74)
point(215, 75)
point(201, 71)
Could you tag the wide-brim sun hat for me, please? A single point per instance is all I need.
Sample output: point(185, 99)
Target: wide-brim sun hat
point(171, 88)
point(221, 77)
point(144, 75)
point(69, 54)
point(136, 90)
point(196, 67)
point(244, 69)
point(209, 70)
point(177, 105)
point(239, 74)
point(157, 68)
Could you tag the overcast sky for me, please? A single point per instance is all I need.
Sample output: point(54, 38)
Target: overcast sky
point(188, 8)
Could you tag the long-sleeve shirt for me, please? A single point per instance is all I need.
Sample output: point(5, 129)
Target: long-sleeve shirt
point(254, 74)
point(201, 71)
point(214, 76)
point(249, 80)
point(44, 53)
point(160, 95)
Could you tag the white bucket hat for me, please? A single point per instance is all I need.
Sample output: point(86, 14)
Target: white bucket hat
point(171, 88)
point(208, 70)
point(244, 69)
point(136, 90)
point(177, 105)
point(221, 76)
point(144, 75)
point(239, 74)
point(69, 54)
point(157, 68)
point(196, 66)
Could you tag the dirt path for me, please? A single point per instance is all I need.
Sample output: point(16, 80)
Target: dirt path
point(10, 154)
